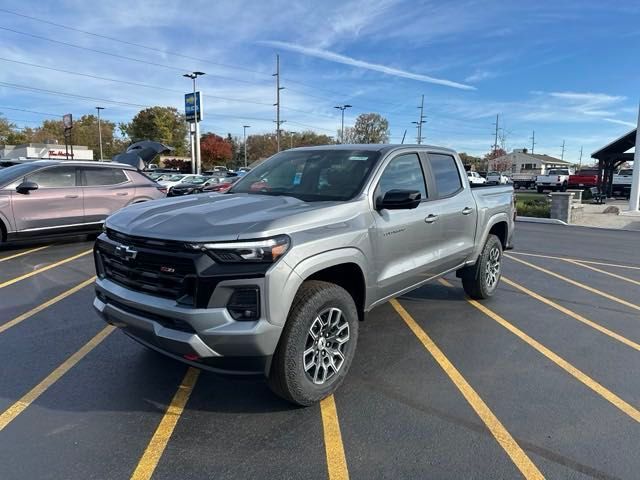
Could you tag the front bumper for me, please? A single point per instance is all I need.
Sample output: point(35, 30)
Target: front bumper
point(208, 338)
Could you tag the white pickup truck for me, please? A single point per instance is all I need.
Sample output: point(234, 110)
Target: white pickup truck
point(475, 178)
point(556, 179)
point(622, 182)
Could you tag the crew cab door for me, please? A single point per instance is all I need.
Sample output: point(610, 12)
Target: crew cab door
point(106, 190)
point(403, 242)
point(57, 202)
point(455, 208)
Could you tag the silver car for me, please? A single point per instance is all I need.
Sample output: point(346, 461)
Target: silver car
point(57, 197)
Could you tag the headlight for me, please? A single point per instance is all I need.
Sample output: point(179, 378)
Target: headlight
point(268, 250)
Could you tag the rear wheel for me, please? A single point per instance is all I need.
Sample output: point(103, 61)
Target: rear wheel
point(481, 280)
point(540, 189)
point(317, 344)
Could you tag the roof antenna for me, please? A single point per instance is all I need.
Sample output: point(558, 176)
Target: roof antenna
point(404, 135)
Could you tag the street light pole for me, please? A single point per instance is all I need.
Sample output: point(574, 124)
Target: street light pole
point(196, 111)
point(244, 134)
point(100, 131)
point(342, 108)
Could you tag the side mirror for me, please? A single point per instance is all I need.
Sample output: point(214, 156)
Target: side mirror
point(399, 200)
point(26, 187)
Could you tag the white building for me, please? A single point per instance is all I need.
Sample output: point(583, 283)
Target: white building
point(521, 161)
point(49, 151)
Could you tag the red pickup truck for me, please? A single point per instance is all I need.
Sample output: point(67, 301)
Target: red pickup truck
point(585, 178)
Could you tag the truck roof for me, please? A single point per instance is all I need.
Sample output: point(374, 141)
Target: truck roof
point(376, 147)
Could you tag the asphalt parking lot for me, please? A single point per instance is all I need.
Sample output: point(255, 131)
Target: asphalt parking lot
point(540, 381)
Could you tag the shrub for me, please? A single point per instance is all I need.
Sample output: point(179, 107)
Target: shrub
point(533, 208)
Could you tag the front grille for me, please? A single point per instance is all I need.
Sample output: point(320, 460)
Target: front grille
point(156, 273)
point(153, 243)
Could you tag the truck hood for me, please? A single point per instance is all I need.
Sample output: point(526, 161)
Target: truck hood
point(219, 217)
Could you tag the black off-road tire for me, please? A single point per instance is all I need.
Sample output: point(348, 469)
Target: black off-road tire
point(287, 377)
point(481, 280)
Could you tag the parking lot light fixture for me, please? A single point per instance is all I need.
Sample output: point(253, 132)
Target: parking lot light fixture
point(193, 76)
point(244, 141)
point(100, 131)
point(342, 108)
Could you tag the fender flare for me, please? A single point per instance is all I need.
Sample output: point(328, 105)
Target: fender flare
point(495, 219)
point(307, 267)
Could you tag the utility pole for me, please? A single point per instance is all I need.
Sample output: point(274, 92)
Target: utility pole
point(244, 141)
point(100, 131)
point(580, 161)
point(562, 154)
point(533, 142)
point(342, 108)
point(277, 104)
point(197, 107)
point(495, 141)
point(420, 121)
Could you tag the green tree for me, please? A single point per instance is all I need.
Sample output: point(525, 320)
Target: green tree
point(369, 128)
point(162, 124)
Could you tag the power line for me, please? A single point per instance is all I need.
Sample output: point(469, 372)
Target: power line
point(124, 57)
point(127, 82)
point(30, 111)
point(125, 42)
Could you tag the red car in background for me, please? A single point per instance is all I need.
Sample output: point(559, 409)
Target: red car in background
point(222, 185)
point(585, 178)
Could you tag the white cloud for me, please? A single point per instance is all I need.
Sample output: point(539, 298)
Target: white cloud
point(591, 98)
point(339, 58)
point(479, 75)
point(620, 122)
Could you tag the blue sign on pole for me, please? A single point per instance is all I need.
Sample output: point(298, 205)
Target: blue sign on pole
point(193, 105)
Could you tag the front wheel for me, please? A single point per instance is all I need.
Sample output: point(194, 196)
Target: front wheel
point(317, 345)
point(540, 189)
point(481, 280)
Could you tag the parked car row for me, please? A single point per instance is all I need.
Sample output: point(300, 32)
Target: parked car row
point(61, 197)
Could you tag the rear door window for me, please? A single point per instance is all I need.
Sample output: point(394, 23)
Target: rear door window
point(445, 173)
point(55, 177)
point(100, 177)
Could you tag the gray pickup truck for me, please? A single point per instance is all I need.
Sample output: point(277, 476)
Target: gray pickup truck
point(274, 276)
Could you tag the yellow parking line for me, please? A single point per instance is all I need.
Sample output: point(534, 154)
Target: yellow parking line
point(590, 262)
point(573, 314)
point(499, 432)
point(18, 407)
point(614, 275)
point(336, 460)
point(48, 303)
point(26, 252)
point(149, 461)
point(44, 269)
point(559, 361)
point(577, 284)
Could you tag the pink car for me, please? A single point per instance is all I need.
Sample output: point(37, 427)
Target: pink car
point(58, 197)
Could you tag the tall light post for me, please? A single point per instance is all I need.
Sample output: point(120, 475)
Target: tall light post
point(342, 108)
point(196, 111)
point(100, 130)
point(244, 135)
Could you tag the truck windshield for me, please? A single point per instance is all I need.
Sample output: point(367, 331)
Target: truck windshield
point(311, 175)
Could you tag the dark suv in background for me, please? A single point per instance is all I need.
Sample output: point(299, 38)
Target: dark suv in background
point(61, 197)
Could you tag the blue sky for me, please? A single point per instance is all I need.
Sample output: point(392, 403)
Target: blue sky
point(566, 69)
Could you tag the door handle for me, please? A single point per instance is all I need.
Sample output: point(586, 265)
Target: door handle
point(467, 210)
point(122, 194)
point(431, 218)
point(71, 196)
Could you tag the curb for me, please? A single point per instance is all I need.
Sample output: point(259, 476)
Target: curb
point(553, 221)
